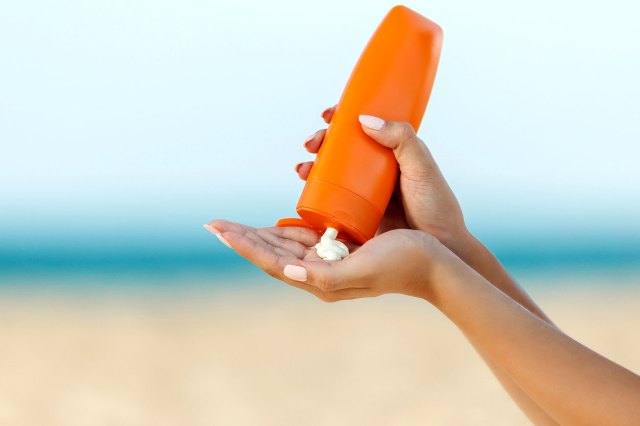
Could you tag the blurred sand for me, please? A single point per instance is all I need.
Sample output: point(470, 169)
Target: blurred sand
point(274, 356)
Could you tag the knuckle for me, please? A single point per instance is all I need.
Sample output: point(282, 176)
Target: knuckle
point(405, 131)
point(326, 283)
point(402, 133)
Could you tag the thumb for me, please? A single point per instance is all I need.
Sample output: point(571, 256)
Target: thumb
point(412, 154)
point(328, 276)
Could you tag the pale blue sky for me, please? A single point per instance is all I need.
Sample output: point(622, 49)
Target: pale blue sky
point(159, 115)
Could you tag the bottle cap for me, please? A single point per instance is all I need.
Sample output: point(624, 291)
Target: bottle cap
point(325, 205)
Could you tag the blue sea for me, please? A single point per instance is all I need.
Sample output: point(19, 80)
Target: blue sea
point(138, 261)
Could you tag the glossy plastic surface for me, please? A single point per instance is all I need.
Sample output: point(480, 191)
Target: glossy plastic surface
point(353, 177)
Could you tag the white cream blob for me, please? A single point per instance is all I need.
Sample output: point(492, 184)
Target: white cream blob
point(329, 248)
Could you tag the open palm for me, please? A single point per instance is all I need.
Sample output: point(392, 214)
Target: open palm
point(272, 248)
point(372, 269)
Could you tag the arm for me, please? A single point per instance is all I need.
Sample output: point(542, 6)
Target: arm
point(478, 257)
point(430, 205)
point(560, 376)
point(567, 380)
point(427, 203)
point(472, 252)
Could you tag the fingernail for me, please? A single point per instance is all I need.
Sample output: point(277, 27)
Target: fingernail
point(309, 139)
point(211, 229)
point(223, 241)
point(371, 122)
point(217, 233)
point(325, 112)
point(297, 167)
point(296, 273)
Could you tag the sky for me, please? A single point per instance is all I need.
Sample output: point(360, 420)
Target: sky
point(127, 121)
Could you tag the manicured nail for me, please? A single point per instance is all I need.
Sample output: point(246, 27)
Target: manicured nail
point(217, 233)
point(371, 122)
point(296, 273)
point(309, 139)
point(211, 229)
point(223, 241)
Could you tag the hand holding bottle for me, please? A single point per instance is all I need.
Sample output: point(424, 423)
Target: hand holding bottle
point(423, 200)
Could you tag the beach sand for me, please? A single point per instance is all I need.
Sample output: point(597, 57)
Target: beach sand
point(269, 355)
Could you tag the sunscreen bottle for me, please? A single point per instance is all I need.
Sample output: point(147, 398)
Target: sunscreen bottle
point(353, 177)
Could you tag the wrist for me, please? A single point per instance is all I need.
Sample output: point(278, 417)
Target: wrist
point(436, 262)
point(446, 275)
point(459, 240)
point(471, 252)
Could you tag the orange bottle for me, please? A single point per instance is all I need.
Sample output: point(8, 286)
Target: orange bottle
point(353, 176)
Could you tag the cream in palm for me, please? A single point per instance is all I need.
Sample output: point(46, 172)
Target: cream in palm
point(329, 248)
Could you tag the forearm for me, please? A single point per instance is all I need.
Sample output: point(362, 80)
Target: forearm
point(477, 256)
point(567, 380)
point(472, 252)
point(528, 406)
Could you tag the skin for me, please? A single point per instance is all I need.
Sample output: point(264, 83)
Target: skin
point(423, 249)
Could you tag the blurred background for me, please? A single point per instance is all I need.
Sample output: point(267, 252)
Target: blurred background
point(125, 126)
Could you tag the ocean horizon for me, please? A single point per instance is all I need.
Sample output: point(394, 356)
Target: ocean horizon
point(204, 260)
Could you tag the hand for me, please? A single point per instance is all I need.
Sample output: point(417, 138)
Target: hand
point(394, 262)
point(423, 199)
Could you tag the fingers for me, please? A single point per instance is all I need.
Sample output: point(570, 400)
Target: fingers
point(312, 143)
point(331, 282)
point(274, 264)
point(305, 236)
point(220, 225)
point(414, 158)
point(327, 114)
point(294, 243)
point(412, 155)
point(258, 253)
point(278, 251)
point(281, 245)
point(303, 169)
point(329, 277)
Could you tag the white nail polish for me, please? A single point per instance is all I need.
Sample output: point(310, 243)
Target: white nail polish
point(217, 233)
point(295, 272)
point(309, 139)
point(223, 241)
point(371, 122)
